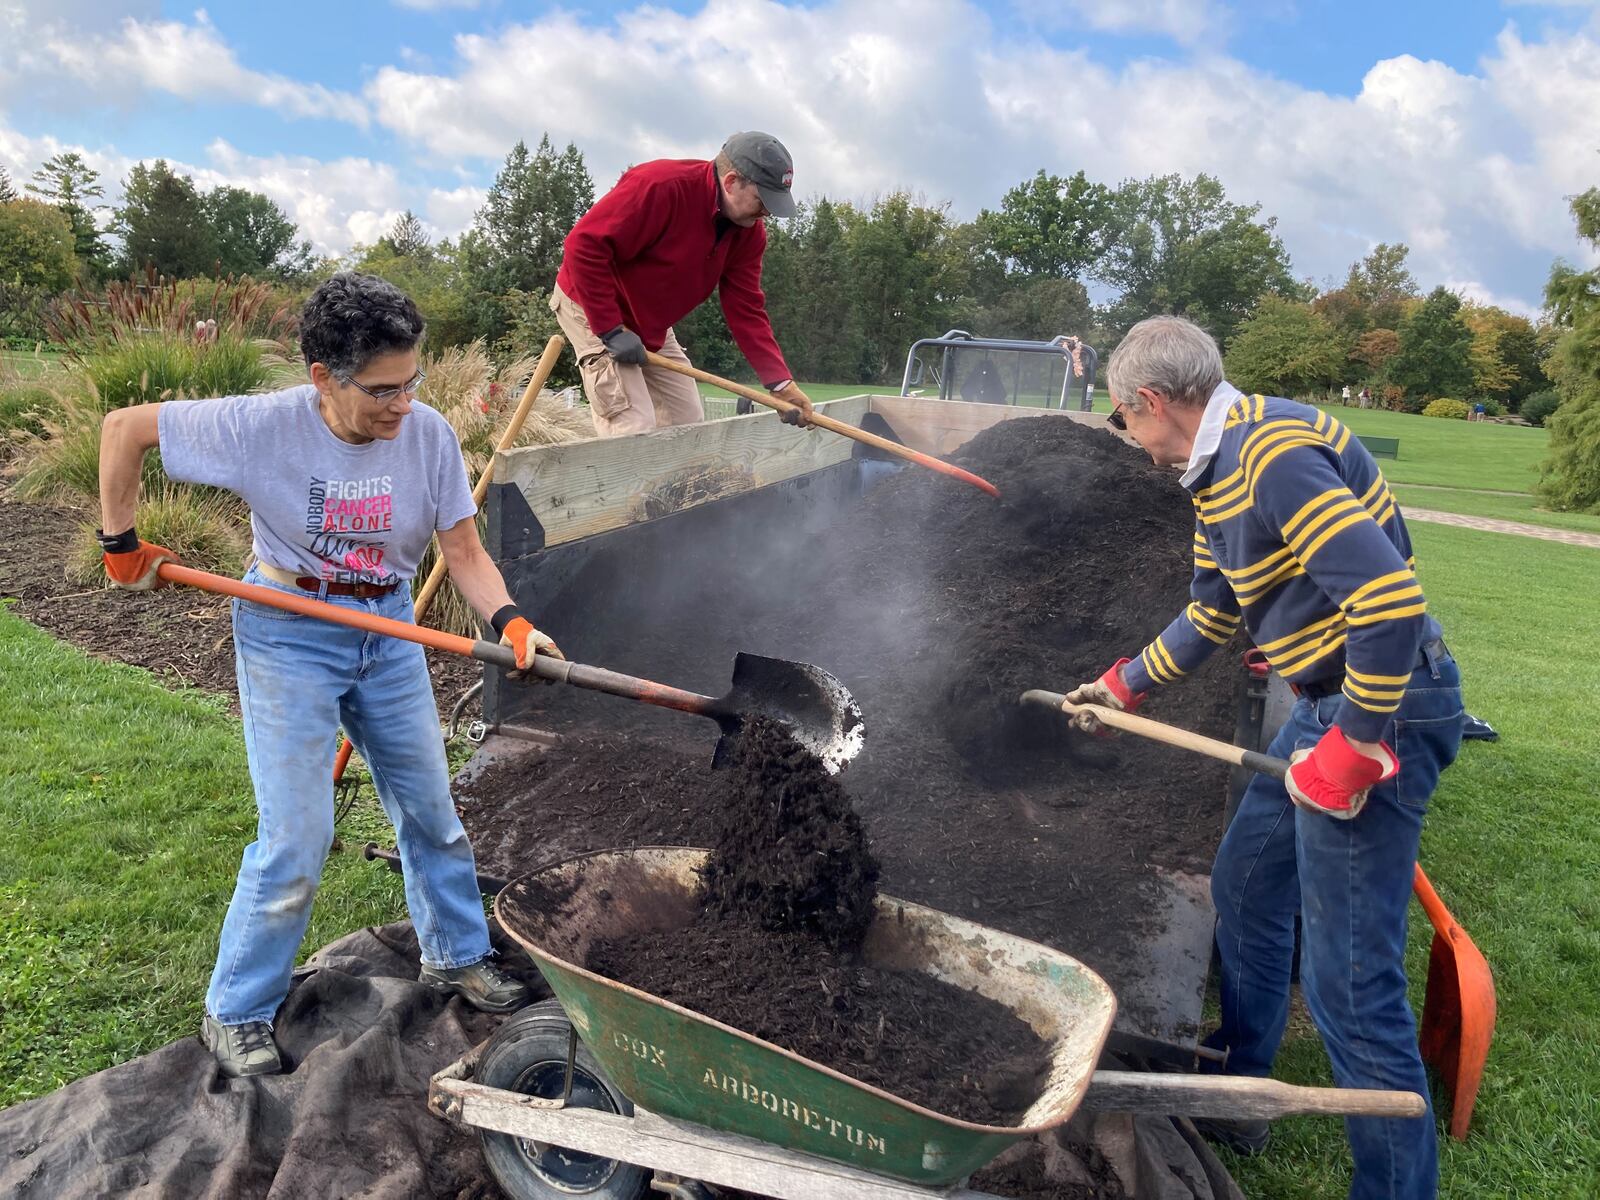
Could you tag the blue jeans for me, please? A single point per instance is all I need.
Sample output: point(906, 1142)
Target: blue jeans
point(299, 680)
point(1351, 883)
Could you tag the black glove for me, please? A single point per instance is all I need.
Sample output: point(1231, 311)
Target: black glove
point(623, 344)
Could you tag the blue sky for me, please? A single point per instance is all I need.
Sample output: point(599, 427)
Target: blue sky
point(1458, 128)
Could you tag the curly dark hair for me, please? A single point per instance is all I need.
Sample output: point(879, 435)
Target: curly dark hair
point(352, 318)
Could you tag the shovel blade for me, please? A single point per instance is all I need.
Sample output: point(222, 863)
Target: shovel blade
point(1458, 1013)
point(817, 709)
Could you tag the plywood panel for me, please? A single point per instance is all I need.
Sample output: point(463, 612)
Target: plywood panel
point(583, 488)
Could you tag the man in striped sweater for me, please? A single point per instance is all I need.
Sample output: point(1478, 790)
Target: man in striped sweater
point(1298, 536)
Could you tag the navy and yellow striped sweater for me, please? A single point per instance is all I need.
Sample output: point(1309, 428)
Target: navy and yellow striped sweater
point(1298, 533)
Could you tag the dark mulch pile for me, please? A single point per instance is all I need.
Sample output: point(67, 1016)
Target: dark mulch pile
point(183, 635)
point(937, 606)
point(787, 897)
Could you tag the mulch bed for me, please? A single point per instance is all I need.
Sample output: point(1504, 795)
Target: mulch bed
point(183, 635)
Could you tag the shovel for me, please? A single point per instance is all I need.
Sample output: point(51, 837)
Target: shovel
point(823, 421)
point(1459, 1004)
point(817, 709)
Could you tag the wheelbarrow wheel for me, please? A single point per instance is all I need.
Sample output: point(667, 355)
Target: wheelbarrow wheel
point(529, 1055)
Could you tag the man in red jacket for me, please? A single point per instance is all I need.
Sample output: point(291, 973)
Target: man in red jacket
point(655, 246)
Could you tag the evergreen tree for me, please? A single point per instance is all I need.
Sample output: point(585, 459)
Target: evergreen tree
point(534, 202)
point(407, 238)
point(8, 192)
point(165, 224)
point(71, 185)
point(1571, 475)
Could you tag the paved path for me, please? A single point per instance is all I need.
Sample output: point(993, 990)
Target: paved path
point(1491, 525)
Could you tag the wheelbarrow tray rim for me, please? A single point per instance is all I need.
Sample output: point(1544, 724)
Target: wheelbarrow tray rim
point(885, 905)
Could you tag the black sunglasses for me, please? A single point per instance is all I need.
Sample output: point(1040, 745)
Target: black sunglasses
point(1116, 420)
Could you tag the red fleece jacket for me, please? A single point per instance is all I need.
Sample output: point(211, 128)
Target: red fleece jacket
point(655, 246)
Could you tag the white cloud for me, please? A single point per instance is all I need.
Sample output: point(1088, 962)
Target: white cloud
point(191, 61)
point(435, 5)
point(1471, 168)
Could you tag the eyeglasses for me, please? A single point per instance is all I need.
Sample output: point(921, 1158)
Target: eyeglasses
point(1116, 420)
point(389, 394)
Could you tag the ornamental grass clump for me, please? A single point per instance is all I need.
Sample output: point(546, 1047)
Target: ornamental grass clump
point(478, 399)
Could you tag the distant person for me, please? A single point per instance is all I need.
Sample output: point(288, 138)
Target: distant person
point(1479, 411)
point(1376, 719)
point(1344, 397)
point(1365, 400)
point(647, 254)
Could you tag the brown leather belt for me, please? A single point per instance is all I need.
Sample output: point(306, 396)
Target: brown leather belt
point(310, 583)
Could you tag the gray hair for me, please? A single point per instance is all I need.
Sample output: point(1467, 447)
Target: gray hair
point(1168, 355)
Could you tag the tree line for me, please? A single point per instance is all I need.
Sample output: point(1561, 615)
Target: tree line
point(850, 285)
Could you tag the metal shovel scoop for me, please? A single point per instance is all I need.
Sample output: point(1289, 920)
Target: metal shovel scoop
point(817, 709)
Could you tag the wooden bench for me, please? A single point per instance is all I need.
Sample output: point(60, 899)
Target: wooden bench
point(1381, 447)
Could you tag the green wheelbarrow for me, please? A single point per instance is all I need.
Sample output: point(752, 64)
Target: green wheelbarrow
point(605, 1087)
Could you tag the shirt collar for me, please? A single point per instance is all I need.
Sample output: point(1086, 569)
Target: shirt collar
point(1209, 436)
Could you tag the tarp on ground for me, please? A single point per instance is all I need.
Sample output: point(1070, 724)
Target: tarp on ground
point(363, 1037)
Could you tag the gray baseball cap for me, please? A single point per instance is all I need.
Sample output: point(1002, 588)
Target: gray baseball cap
point(762, 159)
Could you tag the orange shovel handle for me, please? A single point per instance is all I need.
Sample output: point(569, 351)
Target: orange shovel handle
point(832, 424)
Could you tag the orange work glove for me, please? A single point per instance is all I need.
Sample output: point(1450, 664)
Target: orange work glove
point(131, 563)
point(517, 632)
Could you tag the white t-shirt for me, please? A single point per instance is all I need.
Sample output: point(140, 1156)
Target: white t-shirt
point(320, 506)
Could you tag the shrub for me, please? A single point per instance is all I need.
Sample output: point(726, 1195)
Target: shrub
point(478, 400)
point(1491, 406)
point(204, 527)
point(172, 366)
point(25, 406)
point(1536, 409)
point(1455, 410)
point(1393, 397)
point(63, 461)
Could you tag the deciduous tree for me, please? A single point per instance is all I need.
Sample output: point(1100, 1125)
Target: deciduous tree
point(1285, 348)
point(1180, 246)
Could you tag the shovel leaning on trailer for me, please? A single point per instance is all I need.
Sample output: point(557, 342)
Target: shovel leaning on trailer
point(816, 707)
point(1458, 1006)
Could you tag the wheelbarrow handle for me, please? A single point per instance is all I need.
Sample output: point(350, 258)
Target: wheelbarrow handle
point(1264, 764)
point(596, 679)
point(824, 421)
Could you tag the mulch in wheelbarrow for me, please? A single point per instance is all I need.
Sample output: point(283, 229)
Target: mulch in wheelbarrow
point(775, 949)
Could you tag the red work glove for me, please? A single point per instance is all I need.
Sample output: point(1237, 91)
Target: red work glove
point(132, 564)
point(526, 641)
point(1110, 691)
point(1334, 778)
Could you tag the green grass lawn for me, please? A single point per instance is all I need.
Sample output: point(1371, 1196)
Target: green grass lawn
point(28, 364)
point(124, 808)
point(1513, 846)
point(1463, 454)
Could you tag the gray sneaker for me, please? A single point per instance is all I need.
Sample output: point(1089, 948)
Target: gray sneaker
point(240, 1050)
point(481, 984)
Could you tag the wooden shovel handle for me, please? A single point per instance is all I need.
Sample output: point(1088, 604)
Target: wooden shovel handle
point(823, 421)
point(1238, 1097)
point(1170, 734)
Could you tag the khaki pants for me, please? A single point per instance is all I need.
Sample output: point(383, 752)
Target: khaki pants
point(626, 399)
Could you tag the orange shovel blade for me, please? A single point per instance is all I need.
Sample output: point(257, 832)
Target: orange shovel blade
point(1457, 1009)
